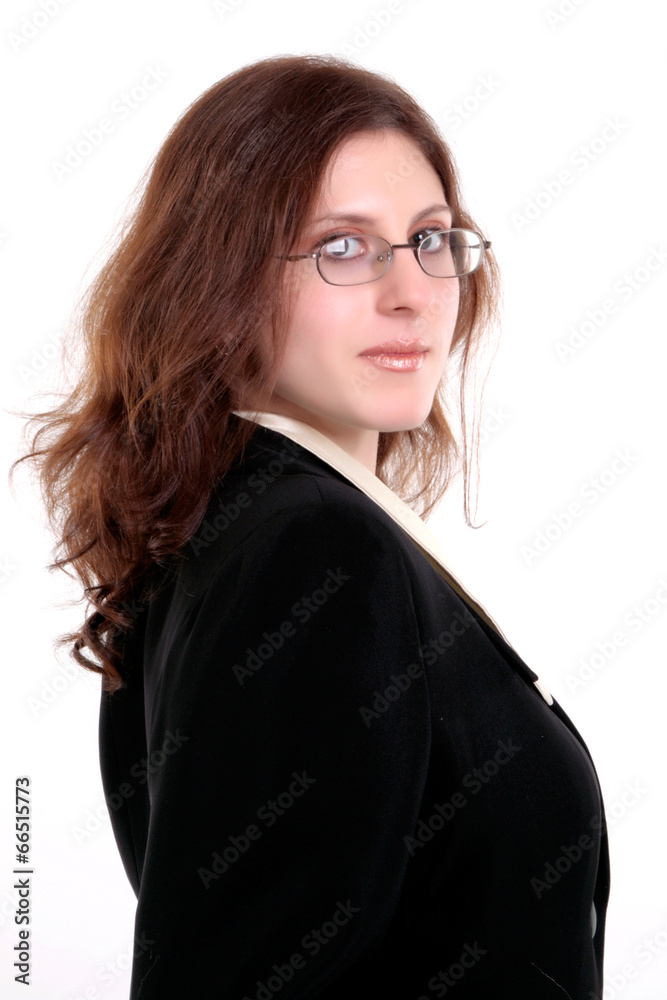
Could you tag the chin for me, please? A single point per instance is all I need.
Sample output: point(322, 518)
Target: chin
point(403, 418)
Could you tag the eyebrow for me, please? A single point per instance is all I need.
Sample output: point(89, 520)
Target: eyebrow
point(364, 220)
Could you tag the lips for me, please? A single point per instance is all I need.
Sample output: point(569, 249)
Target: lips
point(406, 347)
point(397, 362)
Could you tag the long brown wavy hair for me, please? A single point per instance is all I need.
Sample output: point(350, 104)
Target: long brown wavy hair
point(174, 331)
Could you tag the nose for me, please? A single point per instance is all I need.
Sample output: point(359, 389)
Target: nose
point(405, 285)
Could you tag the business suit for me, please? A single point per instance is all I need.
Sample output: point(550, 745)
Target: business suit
point(329, 773)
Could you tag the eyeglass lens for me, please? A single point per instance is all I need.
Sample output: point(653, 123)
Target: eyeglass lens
point(350, 260)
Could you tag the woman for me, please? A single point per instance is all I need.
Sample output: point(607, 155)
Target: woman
point(327, 771)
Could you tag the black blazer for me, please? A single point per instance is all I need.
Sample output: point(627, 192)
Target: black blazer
point(328, 775)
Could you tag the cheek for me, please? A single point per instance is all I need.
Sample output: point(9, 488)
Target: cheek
point(320, 327)
point(439, 318)
point(449, 298)
point(452, 304)
point(315, 349)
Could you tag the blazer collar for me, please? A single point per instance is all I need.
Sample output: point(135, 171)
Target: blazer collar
point(419, 532)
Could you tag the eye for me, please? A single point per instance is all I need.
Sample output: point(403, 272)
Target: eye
point(429, 241)
point(343, 246)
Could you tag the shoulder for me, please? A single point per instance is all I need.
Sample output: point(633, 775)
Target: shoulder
point(310, 516)
point(318, 593)
point(322, 528)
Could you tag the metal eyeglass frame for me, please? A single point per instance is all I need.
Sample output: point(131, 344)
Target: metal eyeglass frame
point(485, 244)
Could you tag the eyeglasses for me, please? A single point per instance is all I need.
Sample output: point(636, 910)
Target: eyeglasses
point(356, 260)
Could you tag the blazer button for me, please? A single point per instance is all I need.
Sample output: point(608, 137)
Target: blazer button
point(594, 920)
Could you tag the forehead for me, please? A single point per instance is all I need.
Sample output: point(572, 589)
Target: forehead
point(389, 166)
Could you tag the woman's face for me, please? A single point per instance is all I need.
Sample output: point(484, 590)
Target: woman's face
point(325, 379)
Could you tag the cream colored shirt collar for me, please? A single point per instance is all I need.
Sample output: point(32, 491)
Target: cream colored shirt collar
point(422, 536)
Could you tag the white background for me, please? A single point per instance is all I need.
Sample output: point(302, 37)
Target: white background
point(552, 424)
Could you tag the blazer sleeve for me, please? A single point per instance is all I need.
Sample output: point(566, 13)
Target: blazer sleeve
point(296, 705)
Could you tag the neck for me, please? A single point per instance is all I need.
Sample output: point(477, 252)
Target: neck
point(359, 442)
